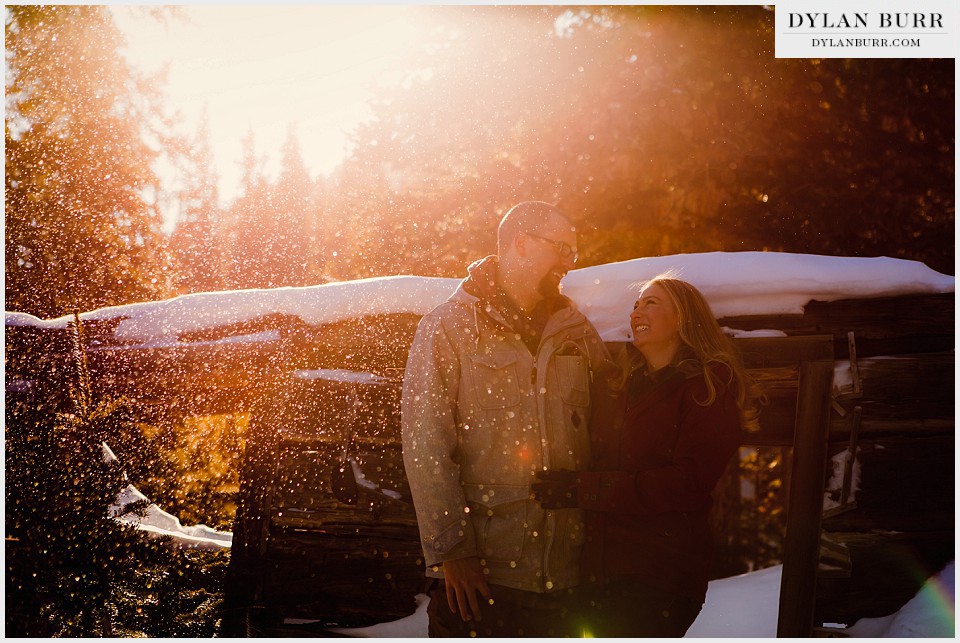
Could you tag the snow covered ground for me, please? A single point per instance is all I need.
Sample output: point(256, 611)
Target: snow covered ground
point(158, 522)
point(744, 283)
point(738, 607)
point(747, 607)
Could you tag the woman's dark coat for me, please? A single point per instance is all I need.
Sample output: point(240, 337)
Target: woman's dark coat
point(656, 462)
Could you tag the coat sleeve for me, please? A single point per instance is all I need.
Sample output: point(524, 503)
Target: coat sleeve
point(707, 436)
point(429, 438)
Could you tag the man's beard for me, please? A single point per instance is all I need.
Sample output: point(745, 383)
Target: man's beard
point(548, 288)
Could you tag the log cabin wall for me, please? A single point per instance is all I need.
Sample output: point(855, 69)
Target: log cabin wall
point(890, 521)
point(889, 514)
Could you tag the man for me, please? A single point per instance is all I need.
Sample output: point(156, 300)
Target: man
point(498, 387)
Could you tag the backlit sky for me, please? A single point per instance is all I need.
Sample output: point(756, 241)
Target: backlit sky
point(270, 68)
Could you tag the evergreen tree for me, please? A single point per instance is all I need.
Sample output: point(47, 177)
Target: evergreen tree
point(272, 233)
point(82, 229)
point(295, 216)
point(74, 562)
point(326, 225)
point(661, 130)
point(241, 232)
point(194, 247)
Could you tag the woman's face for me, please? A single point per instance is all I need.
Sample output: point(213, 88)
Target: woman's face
point(656, 325)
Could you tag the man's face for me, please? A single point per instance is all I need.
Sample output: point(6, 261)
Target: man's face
point(545, 253)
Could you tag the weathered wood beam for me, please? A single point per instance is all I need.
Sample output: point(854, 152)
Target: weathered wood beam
point(805, 505)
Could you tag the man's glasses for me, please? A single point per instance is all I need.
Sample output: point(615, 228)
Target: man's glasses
point(564, 249)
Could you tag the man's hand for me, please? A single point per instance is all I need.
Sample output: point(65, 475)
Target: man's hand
point(464, 578)
point(556, 489)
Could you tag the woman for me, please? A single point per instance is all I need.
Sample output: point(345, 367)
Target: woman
point(660, 445)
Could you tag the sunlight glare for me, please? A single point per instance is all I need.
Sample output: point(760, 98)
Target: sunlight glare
point(269, 69)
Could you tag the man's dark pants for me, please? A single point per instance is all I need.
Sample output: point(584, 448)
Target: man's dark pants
point(512, 613)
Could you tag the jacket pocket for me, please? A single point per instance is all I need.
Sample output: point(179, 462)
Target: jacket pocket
point(498, 520)
point(495, 380)
point(573, 374)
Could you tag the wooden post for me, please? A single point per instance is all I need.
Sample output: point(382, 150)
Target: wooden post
point(805, 505)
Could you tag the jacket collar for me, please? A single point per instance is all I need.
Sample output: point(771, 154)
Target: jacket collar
point(480, 287)
point(670, 383)
point(481, 280)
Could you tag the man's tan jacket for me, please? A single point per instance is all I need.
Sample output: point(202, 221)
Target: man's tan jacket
point(480, 416)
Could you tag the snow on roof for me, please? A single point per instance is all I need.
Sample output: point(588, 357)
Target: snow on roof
point(748, 283)
point(341, 375)
point(735, 283)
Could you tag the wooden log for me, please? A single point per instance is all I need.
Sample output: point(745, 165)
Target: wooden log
point(882, 325)
point(840, 427)
point(303, 547)
point(343, 576)
point(888, 570)
point(907, 521)
point(910, 395)
point(884, 317)
point(303, 491)
point(903, 478)
point(905, 387)
point(777, 421)
point(204, 368)
point(802, 541)
point(773, 352)
point(376, 343)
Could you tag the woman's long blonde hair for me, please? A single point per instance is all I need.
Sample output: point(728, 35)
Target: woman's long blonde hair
point(703, 346)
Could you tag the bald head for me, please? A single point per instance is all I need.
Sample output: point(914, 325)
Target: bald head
point(527, 216)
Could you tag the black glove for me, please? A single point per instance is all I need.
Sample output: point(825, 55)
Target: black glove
point(556, 489)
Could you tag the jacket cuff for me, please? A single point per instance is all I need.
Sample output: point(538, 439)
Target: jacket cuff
point(605, 490)
point(456, 541)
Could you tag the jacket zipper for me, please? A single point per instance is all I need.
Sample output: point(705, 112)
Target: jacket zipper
point(550, 517)
point(549, 521)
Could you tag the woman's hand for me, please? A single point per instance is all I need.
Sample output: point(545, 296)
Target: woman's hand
point(556, 489)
